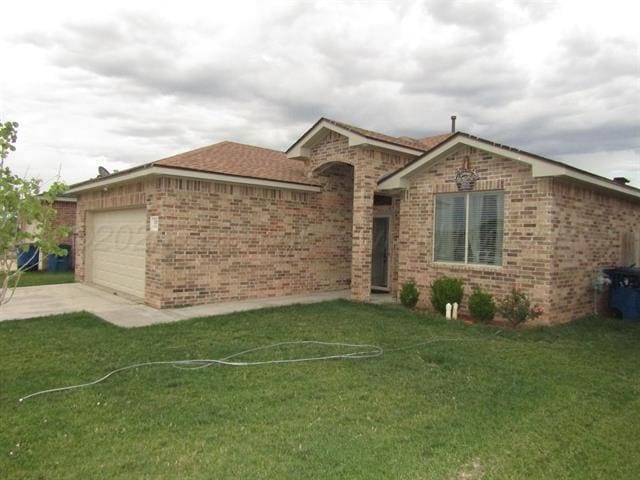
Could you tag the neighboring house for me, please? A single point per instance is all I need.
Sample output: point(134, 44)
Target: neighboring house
point(351, 208)
point(66, 215)
point(65, 208)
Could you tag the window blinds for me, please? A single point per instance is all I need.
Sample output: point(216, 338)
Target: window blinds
point(451, 220)
point(484, 239)
point(469, 228)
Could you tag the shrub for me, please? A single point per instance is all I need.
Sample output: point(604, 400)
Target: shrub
point(409, 294)
point(481, 305)
point(516, 307)
point(446, 290)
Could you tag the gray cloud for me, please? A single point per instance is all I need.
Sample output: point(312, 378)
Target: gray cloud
point(480, 21)
point(553, 139)
point(585, 60)
point(139, 85)
point(482, 77)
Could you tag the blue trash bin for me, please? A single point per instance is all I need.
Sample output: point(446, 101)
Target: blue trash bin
point(56, 263)
point(627, 301)
point(52, 263)
point(28, 260)
point(625, 292)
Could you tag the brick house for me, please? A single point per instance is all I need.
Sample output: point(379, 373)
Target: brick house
point(345, 207)
point(65, 208)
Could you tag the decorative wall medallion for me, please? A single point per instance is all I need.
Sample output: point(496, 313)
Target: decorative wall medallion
point(466, 177)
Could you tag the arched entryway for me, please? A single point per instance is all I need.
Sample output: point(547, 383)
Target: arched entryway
point(350, 191)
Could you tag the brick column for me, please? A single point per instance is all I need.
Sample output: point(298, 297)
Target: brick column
point(364, 184)
point(80, 242)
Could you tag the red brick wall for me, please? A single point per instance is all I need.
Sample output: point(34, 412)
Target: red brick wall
point(587, 229)
point(65, 216)
point(555, 234)
point(527, 243)
point(369, 165)
point(220, 242)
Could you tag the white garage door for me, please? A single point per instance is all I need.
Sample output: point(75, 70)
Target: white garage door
point(117, 249)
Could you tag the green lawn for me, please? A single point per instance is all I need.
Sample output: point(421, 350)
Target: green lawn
point(556, 403)
point(29, 279)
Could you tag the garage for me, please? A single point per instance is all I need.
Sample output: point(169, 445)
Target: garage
point(117, 250)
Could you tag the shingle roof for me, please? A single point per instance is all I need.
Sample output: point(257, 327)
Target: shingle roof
point(430, 142)
point(232, 158)
point(248, 161)
point(421, 144)
point(512, 149)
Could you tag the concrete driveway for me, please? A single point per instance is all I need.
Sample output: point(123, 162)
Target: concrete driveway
point(29, 302)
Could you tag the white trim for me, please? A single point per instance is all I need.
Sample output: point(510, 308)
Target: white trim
point(539, 167)
point(467, 204)
point(468, 266)
point(433, 227)
point(601, 183)
point(61, 199)
point(178, 172)
point(302, 146)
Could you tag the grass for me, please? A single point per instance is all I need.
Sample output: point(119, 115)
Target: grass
point(29, 279)
point(557, 402)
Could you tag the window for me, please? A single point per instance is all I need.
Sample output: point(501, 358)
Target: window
point(468, 228)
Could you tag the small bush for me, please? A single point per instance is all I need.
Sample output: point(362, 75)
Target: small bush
point(446, 290)
point(409, 294)
point(516, 307)
point(481, 305)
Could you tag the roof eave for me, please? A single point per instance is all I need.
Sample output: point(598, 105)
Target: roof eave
point(301, 148)
point(540, 166)
point(155, 171)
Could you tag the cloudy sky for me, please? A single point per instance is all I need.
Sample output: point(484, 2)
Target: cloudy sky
point(120, 83)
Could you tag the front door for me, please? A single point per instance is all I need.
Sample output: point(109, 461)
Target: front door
point(380, 254)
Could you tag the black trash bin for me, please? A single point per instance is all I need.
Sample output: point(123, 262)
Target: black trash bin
point(624, 292)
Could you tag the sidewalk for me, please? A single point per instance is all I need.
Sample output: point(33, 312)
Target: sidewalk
point(38, 301)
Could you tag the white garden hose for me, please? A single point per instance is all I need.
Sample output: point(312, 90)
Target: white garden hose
point(367, 351)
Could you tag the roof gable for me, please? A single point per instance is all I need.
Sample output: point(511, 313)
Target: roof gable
point(540, 166)
point(357, 136)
